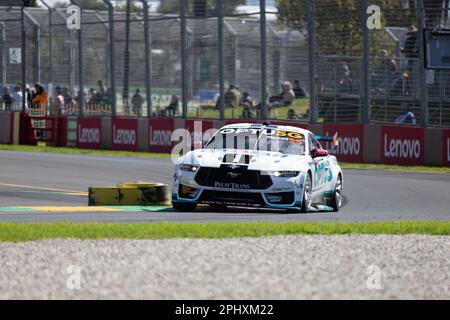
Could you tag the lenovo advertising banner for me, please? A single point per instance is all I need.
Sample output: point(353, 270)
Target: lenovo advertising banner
point(402, 145)
point(446, 143)
point(200, 131)
point(89, 133)
point(159, 133)
point(124, 134)
point(350, 141)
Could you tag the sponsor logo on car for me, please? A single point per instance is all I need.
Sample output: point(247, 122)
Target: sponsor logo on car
point(231, 185)
point(234, 174)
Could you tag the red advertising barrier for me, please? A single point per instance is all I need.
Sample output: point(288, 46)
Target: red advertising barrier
point(89, 133)
point(402, 145)
point(350, 141)
point(124, 134)
point(159, 133)
point(446, 143)
point(197, 129)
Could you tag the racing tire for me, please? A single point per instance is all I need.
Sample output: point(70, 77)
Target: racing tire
point(336, 200)
point(185, 207)
point(307, 195)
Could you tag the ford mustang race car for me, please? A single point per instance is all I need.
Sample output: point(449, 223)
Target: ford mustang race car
point(259, 165)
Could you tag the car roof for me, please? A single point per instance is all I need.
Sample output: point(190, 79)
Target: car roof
point(271, 126)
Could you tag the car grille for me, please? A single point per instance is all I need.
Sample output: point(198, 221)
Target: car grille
point(232, 198)
point(229, 176)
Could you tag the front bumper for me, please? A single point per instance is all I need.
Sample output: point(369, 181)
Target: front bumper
point(283, 193)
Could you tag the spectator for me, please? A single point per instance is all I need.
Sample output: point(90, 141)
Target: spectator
point(247, 99)
point(93, 98)
point(68, 102)
point(285, 98)
point(247, 112)
point(346, 82)
point(101, 90)
point(40, 98)
point(58, 107)
point(30, 94)
point(171, 109)
point(137, 100)
point(406, 118)
point(17, 97)
point(291, 115)
point(232, 97)
point(7, 99)
point(298, 90)
point(387, 73)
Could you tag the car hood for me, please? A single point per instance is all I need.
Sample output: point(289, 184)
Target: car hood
point(260, 160)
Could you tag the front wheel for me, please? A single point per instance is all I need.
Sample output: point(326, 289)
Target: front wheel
point(307, 195)
point(336, 201)
point(184, 206)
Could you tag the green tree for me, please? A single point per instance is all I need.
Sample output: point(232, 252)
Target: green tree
point(200, 7)
point(339, 23)
point(29, 3)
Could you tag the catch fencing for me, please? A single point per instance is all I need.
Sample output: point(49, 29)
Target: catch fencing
point(174, 58)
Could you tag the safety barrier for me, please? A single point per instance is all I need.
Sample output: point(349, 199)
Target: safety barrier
point(369, 143)
point(130, 194)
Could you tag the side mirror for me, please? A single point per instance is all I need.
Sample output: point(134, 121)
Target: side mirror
point(320, 153)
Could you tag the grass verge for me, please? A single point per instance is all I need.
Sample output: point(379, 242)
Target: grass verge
point(43, 148)
point(15, 232)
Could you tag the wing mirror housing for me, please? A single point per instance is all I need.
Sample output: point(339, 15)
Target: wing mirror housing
point(320, 153)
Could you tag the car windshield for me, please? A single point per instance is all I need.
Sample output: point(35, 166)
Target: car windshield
point(286, 142)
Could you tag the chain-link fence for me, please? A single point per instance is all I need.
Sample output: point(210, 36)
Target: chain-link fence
point(320, 61)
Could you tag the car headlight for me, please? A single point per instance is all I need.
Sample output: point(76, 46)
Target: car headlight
point(285, 174)
point(188, 167)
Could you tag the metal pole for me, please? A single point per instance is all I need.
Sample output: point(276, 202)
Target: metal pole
point(420, 15)
point(262, 13)
point(148, 59)
point(50, 34)
point(365, 65)
point(23, 56)
point(184, 59)
point(312, 61)
point(220, 25)
point(112, 57)
point(37, 41)
point(80, 63)
point(3, 53)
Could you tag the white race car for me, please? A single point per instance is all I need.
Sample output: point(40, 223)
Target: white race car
point(259, 165)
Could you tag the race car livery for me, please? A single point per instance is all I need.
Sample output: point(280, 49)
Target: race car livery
point(259, 165)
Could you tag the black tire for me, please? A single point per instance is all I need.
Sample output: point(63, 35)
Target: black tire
point(336, 200)
point(307, 194)
point(184, 206)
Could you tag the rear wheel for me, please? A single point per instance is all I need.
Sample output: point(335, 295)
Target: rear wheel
point(184, 206)
point(307, 194)
point(336, 201)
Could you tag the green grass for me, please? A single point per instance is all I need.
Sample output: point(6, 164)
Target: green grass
point(42, 148)
point(15, 232)
point(394, 167)
point(300, 107)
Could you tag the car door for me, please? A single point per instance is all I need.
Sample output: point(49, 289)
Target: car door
point(320, 170)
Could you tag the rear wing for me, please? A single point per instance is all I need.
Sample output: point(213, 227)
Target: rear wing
point(333, 139)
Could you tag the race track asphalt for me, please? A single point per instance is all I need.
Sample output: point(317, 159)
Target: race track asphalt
point(44, 179)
